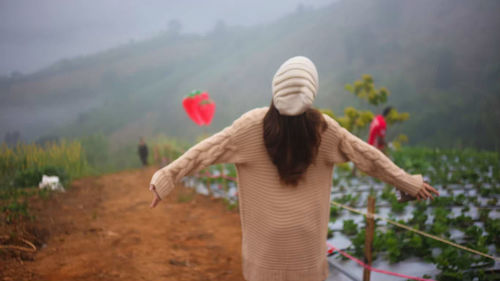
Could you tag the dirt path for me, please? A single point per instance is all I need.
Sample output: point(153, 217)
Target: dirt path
point(103, 229)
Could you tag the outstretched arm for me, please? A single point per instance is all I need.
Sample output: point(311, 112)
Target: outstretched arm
point(223, 147)
point(373, 162)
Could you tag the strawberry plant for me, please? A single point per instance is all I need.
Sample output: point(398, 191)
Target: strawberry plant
point(462, 221)
point(350, 228)
point(334, 211)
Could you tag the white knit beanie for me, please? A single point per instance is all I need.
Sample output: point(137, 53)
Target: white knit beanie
point(294, 86)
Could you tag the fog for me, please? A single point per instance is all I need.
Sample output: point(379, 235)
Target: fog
point(37, 33)
point(70, 69)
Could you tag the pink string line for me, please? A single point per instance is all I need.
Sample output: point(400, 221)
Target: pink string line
point(332, 249)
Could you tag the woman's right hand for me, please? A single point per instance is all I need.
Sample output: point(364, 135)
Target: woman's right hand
point(156, 197)
point(426, 192)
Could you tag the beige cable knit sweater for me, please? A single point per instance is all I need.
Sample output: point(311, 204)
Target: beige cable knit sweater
point(284, 228)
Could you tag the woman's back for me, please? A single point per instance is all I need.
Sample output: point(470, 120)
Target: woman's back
point(284, 227)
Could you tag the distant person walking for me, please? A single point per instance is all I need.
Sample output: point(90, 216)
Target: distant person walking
point(378, 129)
point(142, 149)
point(284, 155)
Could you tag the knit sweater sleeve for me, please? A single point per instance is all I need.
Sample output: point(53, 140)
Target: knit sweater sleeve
point(348, 147)
point(221, 147)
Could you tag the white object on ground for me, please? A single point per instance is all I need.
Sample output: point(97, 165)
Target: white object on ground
point(51, 182)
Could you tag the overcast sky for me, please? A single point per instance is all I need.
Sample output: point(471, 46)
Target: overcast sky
point(36, 33)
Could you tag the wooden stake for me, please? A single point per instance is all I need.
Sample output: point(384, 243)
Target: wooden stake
point(370, 229)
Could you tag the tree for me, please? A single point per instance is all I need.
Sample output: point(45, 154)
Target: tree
point(356, 121)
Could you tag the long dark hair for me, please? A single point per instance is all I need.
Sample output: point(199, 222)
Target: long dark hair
point(292, 142)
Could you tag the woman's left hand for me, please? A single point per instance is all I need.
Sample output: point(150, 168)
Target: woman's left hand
point(426, 192)
point(156, 198)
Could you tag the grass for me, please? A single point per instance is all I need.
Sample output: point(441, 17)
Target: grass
point(22, 167)
point(14, 203)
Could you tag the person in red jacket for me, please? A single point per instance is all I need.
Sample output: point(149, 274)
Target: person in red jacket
point(378, 129)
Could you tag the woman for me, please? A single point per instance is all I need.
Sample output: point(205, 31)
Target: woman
point(284, 156)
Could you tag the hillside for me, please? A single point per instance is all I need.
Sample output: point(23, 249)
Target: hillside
point(440, 60)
